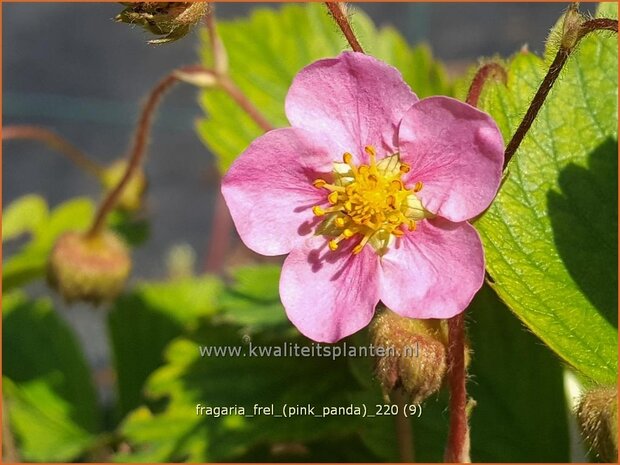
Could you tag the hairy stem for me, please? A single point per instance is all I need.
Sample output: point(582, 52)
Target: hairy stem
point(56, 142)
point(457, 447)
point(493, 71)
point(599, 24)
point(404, 432)
point(339, 15)
point(136, 154)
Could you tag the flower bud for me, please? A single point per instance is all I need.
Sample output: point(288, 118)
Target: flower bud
point(172, 20)
point(598, 417)
point(133, 193)
point(415, 354)
point(571, 27)
point(88, 269)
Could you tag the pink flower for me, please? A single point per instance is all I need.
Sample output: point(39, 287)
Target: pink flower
point(369, 192)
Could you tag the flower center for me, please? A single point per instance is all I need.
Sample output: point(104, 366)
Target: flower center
point(369, 202)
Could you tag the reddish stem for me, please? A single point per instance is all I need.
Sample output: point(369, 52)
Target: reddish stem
point(137, 153)
point(56, 142)
point(457, 447)
point(220, 235)
point(489, 71)
point(341, 19)
point(598, 24)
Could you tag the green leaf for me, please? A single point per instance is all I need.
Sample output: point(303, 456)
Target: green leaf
point(551, 235)
point(25, 215)
point(134, 231)
point(30, 262)
point(516, 383)
point(267, 50)
point(142, 322)
point(189, 379)
point(252, 299)
point(51, 400)
point(29, 214)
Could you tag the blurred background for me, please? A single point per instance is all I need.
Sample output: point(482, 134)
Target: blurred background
point(71, 68)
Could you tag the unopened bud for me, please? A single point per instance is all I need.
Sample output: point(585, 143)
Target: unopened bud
point(598, 417)
point(571, 27)
point(133, 193)
point(201, 78)
point(415, 354)
point(172, 20)
point(88, 269)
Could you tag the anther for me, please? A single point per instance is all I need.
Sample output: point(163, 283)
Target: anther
point(347, 158)
point(358, 248)
point(319, 183)
point(333, 198)
point(418, 186)
point(405, 168)
point(347, 233)
point(340, 222)
point(318, 211)
point(333, 245)
point(370, 150)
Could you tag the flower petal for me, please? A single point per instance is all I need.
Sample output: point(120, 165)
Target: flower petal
point(354, 100)
point(269, 190)
point(433, 272)
point(329, 295)
point(456, 151)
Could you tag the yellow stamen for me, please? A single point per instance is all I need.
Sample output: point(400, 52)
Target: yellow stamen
point(358, 248)
point(370, 201)
point(318, 211)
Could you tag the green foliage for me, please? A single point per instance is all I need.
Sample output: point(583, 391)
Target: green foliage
point(142, 322)
point(50, 397)
point(24, 216)
point(30, 215)
point(252, 299)
point(189, 379)
point(516, 383)
point(551, 235)
point(269, 48)
point(30, 262)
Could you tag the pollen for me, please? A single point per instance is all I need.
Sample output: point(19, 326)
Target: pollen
point(369, 203)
